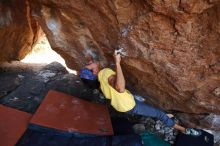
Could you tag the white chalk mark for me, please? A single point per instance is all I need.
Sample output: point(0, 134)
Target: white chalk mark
point(53, 25)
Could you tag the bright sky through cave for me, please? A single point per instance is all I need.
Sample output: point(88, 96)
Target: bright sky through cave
point(43, 54)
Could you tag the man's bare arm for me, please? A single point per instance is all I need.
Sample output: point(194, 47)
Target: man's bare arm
point(120, 80)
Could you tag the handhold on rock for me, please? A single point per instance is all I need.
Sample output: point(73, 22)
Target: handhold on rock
point(216, 92)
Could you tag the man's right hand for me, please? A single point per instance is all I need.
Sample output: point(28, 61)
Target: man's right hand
point(120, 80)
point(117, 57)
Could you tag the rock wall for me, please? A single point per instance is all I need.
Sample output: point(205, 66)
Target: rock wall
point(173, 47)
point(18, 31)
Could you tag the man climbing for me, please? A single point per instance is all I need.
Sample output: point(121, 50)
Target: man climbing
point(112, 85)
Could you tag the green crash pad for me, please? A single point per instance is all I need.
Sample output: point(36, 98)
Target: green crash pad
point(150, 139)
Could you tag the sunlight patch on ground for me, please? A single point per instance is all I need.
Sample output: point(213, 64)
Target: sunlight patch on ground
point(43, 54)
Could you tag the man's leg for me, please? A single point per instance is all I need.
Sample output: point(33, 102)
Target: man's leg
point(147, 110)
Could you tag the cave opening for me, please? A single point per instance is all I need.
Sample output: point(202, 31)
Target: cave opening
point(42, 53)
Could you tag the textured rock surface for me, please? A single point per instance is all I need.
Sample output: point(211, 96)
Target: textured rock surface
point(18, 31)
point(173, 47)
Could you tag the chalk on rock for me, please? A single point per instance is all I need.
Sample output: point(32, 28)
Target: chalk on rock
point(216, 92)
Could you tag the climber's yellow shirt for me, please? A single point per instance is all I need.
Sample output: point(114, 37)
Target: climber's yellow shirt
point(122, 102)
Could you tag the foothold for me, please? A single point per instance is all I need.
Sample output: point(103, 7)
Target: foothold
point(216, 92)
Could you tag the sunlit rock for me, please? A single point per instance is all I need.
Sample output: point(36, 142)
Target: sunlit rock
point(18, 31)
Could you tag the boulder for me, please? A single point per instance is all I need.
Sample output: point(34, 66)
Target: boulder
point(18, 31)
point(172, 47)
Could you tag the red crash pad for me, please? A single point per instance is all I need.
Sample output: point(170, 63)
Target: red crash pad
point(13, 124)
point(68, 113)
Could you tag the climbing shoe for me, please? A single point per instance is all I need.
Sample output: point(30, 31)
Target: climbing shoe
point(193, 132)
